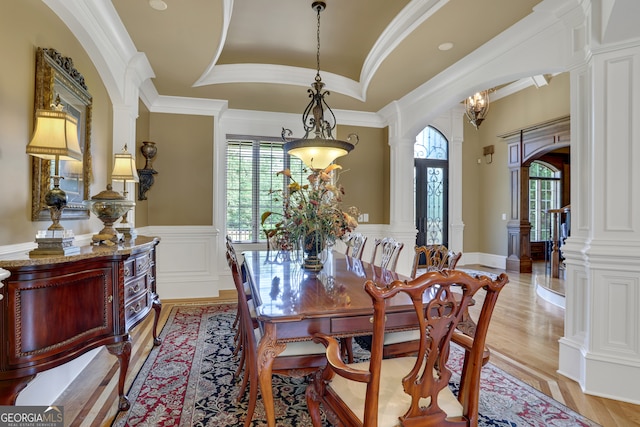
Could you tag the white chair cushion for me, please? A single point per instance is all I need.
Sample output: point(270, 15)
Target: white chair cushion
point(402, 336)
point(247, 288)
point(393, 401)
point(298, 348)
point(252, 309)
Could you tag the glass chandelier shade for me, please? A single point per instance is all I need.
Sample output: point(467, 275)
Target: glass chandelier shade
point(322, 148)
point(476, 107)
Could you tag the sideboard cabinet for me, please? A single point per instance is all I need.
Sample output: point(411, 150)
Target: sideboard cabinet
point(54, 309)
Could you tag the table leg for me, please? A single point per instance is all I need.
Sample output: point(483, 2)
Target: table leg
point(268, 349)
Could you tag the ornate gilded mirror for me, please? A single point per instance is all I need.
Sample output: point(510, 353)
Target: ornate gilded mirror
point(57, 78)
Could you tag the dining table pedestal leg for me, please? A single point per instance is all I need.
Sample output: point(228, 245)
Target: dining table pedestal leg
point(268, 349)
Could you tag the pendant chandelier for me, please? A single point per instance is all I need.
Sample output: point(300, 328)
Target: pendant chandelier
point(476, 107)
point(321, 149)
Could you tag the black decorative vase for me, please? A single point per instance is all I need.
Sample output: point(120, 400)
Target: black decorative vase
point(313, 245)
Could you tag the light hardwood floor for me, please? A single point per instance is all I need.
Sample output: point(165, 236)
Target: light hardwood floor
point(523, 338)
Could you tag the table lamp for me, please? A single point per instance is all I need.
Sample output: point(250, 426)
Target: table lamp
point(124, 169)
point(55, 138)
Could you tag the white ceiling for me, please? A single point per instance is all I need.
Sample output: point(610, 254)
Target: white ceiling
point(261, 55)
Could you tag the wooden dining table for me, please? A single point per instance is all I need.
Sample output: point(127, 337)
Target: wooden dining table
point(292, 304)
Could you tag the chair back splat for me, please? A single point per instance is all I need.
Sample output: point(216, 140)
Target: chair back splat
point(355, 245)
point(433, 258)
point(389, 252)
point(411, 391)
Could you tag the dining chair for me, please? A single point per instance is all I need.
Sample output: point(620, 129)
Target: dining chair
point(298, 359)
point(433, 258)
point(410, 391)
point(437, 258)
point(247, 289)
point(245, 294)
point(355, 248)
point(355, 245)
point(389, 252)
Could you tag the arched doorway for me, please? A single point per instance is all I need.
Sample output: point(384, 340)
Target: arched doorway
point(524, 147)
point(431, 187)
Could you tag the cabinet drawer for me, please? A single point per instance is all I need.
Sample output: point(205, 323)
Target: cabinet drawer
point(136, 309)
point(138, 265)
point(135, 287)
point(143, 263)
point(129, 269)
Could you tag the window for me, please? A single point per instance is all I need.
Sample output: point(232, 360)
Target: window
point(544, 194)
point(252, 164)
point(431, 191)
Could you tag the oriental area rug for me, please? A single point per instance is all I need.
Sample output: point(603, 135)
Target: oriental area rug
point(189, 380)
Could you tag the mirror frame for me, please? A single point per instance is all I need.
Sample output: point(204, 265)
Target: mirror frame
point(55, 75)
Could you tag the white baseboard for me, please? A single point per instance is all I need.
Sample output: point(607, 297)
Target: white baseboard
point(487, 260)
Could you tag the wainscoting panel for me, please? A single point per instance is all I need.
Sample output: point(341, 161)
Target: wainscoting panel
point(187, 261)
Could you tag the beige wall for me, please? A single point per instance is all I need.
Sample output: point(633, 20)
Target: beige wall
point(26, 25)
point(471, 188)
point(183, 190)
point(486, 188)
point(365, 173)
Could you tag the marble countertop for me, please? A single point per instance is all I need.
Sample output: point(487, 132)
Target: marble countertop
point(86, 252)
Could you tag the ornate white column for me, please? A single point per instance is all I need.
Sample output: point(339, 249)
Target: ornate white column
point(601, 344)
point(401, 198)
point(125, 114)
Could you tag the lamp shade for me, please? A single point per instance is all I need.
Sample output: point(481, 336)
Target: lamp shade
point(124, 167)
point(318, 153)
point(55, 136)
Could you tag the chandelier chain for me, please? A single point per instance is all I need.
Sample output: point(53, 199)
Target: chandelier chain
point(318, 78)
point(321, 149)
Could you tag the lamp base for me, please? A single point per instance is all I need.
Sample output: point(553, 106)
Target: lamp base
point(127, 230)
point(54, 242)
point(110, 238)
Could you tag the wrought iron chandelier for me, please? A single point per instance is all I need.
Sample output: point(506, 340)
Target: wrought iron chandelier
point(322, 149)
point(476, 107)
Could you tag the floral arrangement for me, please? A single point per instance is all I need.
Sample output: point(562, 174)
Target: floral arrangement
point(311, 213)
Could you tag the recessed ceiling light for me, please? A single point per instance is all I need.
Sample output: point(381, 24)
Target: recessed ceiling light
point(158, 4)
point(445, 46)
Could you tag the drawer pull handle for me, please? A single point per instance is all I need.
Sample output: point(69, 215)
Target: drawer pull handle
point(136, 309)
point(371, 319)
point(127, 271)
point(135, 289)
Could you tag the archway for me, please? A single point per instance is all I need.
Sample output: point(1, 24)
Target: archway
point(525, 146)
